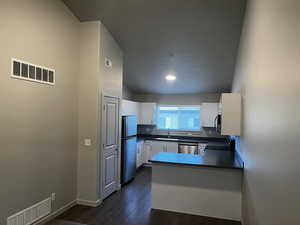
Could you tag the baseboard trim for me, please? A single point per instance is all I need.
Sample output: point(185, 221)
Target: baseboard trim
point(89, 203)
point(119, 187)
point(63, 209)
point(56, 213)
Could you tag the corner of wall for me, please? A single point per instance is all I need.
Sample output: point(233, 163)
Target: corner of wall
point(87, 171)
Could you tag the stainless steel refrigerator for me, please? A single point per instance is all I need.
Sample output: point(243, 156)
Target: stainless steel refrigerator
point(129, 146)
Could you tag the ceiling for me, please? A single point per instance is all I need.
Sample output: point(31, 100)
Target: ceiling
point(197, 40)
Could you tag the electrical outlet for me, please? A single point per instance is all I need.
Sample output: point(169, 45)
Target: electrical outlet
point(53, 196)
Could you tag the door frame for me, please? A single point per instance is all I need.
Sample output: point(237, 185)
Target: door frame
point(101, 132)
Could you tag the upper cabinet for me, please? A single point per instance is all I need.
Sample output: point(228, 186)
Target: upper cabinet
point(147, 113)
point(231, 114)
point(209, 112)
point(130, 108)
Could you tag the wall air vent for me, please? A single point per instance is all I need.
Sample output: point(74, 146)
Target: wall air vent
point(30, 72)
point(32, 214)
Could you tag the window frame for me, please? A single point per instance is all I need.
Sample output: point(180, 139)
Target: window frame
point(176, 130)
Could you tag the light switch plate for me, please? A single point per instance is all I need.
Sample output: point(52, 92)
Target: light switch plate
point(87, 142)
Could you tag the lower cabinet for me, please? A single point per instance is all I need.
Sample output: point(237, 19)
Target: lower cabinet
point(172, 147)
point(150, 148)
point(147, 146)
point(139, 154)
point(157, 146)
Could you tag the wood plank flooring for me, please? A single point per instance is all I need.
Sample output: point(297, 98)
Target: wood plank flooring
point(132, 206)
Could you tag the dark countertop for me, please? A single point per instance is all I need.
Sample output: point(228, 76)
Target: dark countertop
point(211, 158)
point(212, 143)
point(187, 137)
point(173, 139)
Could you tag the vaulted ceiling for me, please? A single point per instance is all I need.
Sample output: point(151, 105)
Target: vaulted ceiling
point(197, 40)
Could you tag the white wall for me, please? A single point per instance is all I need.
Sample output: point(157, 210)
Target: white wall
point(42, 126)
point(127, 93)
point(38, 132)
point(209, 112)
point(87, 172)
point(268, 76)
point(96, 44)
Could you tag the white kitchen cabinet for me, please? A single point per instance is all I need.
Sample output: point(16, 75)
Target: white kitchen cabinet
point(172, 147)
point(151, 148)
point(231, 104)
point(147, 113)
point(139, 154)
point(209, 111)
point(130, 108)
point(147, 151)
point(156, 147)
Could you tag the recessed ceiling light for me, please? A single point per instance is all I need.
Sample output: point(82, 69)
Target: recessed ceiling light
point(170, 77)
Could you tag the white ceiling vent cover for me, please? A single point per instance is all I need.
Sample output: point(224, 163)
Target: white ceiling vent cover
point(32, 214)
point(31, 72)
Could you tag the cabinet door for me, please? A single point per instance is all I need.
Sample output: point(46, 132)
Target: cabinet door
point(172, 147)
point(130, 108)
point(137, 158)
point(147, 151)
point(144, 153)
point(139, 161)
point(158, 146)
point(209, 112)
point(154, 147)
point(147, 113)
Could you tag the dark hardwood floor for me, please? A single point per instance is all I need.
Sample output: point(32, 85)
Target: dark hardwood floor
point(132, 206)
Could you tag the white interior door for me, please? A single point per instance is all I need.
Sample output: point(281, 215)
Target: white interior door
point(110, 151)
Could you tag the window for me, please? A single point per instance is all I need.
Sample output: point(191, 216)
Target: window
point(179, 117)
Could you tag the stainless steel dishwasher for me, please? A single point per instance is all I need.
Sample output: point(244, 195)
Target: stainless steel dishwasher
point(188, 148)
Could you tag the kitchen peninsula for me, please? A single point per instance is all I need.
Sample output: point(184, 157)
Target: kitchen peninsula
point(208, 185)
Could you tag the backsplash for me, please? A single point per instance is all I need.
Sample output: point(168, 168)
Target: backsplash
point(145, 129)
point(152, 130)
